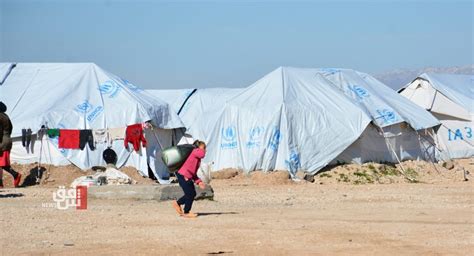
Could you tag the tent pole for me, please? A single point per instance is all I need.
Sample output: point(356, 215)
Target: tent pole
point(156, 137)
point(426, 149)
point(39, 160)
point(396, 156)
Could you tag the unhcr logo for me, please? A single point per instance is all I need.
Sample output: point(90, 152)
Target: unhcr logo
point(88, 109)
point(386, 116)
point(255, 137)
point(131, 86)
point(110, 88)
point(359, 91)
point(84, 107)
point(229, 135)
point(275, 139)
point(94, 114)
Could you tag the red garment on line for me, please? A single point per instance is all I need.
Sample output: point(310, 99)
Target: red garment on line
point(69, 139)
point(134, 135)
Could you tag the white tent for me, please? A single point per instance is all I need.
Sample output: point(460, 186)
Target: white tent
point(83, 96)
point(175, 98)
point(291, 119)
point(199, 109)
point(450, 98)
point(400, 130)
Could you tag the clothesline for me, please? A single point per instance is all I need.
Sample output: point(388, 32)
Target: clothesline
point(80, 138)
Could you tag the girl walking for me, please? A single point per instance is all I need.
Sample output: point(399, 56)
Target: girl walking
point(187, 176)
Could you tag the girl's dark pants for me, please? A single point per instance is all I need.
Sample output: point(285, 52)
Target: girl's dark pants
point(189, 192)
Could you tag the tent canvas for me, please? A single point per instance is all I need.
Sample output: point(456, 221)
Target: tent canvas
point(291, 119)
point(386, 109)
point(400, 130)
point(84, 96)
point(450, 98)
point(200, 108)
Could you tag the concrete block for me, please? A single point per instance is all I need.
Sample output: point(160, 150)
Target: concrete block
point(145, 192)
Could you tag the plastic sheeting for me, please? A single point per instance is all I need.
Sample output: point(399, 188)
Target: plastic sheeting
point(84, 96)
point(199, 109)
point(388, 138)
point(175, 98)
point(450, 98)
point(5, 69)
point(383, 104)
point(399, 142)
point(458, 88)
point(386, 109)
point(291, 119)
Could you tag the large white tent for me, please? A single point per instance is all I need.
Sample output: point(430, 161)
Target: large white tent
point(83, 96)
point(400, 130)
point(291, 119)
point(450, 98)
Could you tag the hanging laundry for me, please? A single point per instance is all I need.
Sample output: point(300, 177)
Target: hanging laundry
point(86, 137)
point(53, 133)
point(69, 139)
point(41, 132)
point(100, 136)
point(23, 137)
point(134, 135)
point(26, 138)
point(117, 134)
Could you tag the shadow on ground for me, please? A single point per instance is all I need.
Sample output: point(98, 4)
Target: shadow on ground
point(11, 195)
point(215, 213)
point(34, 178)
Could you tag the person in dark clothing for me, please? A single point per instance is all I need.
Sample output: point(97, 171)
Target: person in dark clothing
point(6, 128)
point(187, 176)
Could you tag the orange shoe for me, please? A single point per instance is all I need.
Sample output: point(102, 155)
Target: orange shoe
point(16, 181)
point(189, 215)
point(177, 207)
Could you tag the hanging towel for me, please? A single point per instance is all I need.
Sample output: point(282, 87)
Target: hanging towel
point(69, 139)
point(100, 136)
point(117, 133)
point(86, 137)
point(134, 135)
point(53, 133)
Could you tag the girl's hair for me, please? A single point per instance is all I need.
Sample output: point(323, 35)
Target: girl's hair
point(198, 143)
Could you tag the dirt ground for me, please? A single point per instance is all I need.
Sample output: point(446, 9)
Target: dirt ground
point(258, 214)
point(54, 176)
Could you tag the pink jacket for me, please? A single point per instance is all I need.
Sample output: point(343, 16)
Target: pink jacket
point(191, 165)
